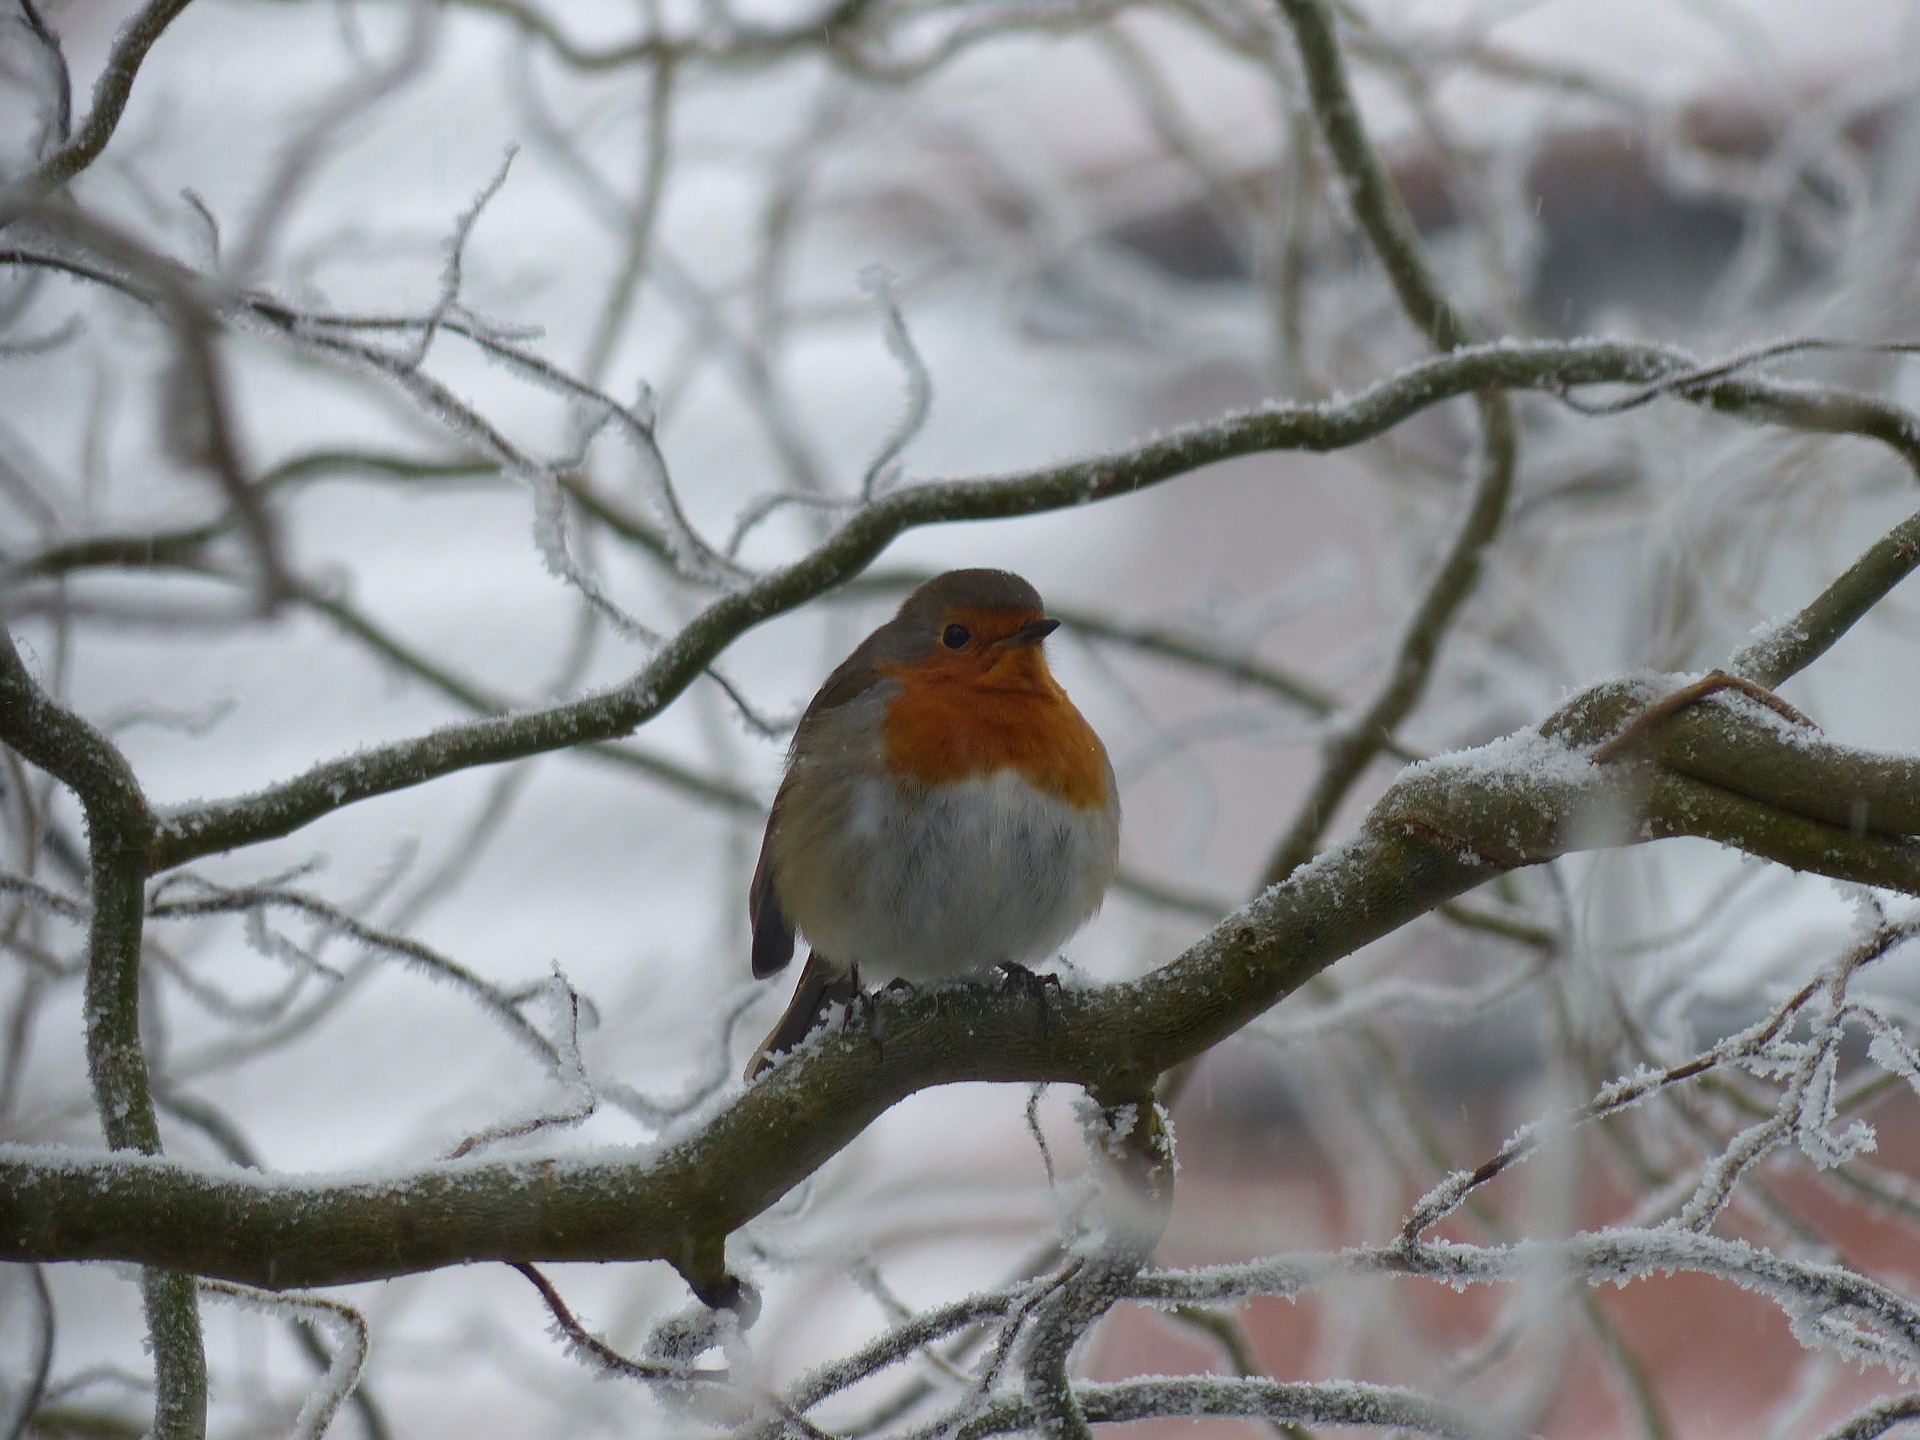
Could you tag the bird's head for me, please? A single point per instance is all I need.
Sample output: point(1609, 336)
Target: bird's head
point(975, 627)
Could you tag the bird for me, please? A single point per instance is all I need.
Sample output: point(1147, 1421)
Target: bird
point(945, 811)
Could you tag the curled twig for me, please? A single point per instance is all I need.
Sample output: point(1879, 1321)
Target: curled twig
point(881, 475)
point(591, 1348)
point(343, 1372)
point(1700, 376)
point(215, 899)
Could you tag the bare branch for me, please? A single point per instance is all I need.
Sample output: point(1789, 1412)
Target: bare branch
point(615, 712)
point(595, 1351)
point(301, 156)
point(110, 92)
point(60, 122)
point(214, 899)
point(198, 423)
point(1877, 1419)
point(1206, 252)
point(343, 1372)
point(1377, 206)
point(1285, 1402)
point(119, 827)
point(879, 285)
point(15, 1425)
point(453, 275)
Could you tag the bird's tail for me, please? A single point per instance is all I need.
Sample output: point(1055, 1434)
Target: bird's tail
point(821, 985)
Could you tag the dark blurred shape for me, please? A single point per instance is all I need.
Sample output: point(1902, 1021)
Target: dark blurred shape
point(1614, 236)
point(1247, 1110)
point(1617, 230)
point(1189, 241)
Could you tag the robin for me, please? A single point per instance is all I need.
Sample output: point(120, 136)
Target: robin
point(945, 810)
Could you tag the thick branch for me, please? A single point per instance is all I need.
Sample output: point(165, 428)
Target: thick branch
point(172, 1306)
point(1876, 793)
point(1443, 828)
point(119, 828)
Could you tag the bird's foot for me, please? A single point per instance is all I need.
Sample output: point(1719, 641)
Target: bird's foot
point(1040, 989)
point(864, 1009)
point(872, 1011)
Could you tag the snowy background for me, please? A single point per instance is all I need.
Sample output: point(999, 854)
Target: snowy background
point(1056, 204)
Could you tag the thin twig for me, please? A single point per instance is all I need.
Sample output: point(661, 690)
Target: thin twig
point(592, 1348)
point(879, 286)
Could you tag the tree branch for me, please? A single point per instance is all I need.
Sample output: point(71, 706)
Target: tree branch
point(1444, 827)
point(1345, 1402)
point(283, 808)
point(1376, 204)
point(110, 94)
point(1788, 648)
point(119, 828)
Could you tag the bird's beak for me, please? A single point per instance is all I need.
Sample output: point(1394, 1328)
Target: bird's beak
point(1033, 632)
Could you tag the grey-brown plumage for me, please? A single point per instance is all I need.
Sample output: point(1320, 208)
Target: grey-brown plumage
point(913, 631)
point(941, 860)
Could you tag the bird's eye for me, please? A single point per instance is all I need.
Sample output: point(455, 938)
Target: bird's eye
point(956, 637)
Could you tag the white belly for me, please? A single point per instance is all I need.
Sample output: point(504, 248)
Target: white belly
point(930, 884)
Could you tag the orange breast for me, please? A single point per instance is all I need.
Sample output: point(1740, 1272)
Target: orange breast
point(943, 727)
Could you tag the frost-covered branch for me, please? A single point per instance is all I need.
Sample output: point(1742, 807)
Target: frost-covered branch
point(1767, 1047)
point(1334, 1403)
point(1351, 748)
point(203, 897)
point(697, 189)
point(1333, 425)
point(110, 92)
point(119, 827)
point(349, 1358)
point(1445, 827)
point(597, 1352)
point(1828, 1305)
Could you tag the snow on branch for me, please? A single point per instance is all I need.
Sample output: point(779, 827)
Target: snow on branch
point(348, 1360)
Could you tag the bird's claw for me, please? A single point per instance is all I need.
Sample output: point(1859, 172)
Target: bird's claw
point(1040, 989)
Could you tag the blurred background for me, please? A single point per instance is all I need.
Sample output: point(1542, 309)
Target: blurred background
point(1095, 220)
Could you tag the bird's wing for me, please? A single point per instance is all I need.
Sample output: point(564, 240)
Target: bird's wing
point(772, 931)
point(820, 985)
point(772, 934)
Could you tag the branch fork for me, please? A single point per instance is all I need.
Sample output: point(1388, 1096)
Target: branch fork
point(1640, 731)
